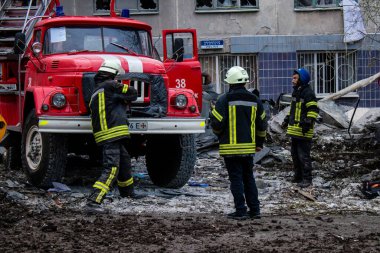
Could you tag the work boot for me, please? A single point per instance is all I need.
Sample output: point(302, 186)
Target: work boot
point(129, 192)
point(254, 214)
point(133, 195)
point(238, 216)
point(92, 207)
point(305, 183)
point(296, 179)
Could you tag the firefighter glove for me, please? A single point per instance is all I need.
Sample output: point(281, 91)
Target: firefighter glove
point(306, 125)
point(285, 122)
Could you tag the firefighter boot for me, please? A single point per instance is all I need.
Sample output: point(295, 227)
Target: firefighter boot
point(238, 215)
point(305, 183)
point(307, 178)
point(129, 192)
point(92, 206)
point(297, 178)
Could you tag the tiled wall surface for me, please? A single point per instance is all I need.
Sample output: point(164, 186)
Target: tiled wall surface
point(368, 64)
point(275, 72)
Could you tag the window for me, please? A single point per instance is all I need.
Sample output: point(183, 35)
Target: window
point(179, 46)
point(218, 65)
point(226, 4)
point(134, 6)
point(107, 39)
point(329, 71)
point(317, 3)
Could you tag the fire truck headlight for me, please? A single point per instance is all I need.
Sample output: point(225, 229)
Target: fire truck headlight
point(59, 100)
point(181, 101)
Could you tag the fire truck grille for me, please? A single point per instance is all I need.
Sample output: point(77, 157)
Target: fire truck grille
point(142, 91)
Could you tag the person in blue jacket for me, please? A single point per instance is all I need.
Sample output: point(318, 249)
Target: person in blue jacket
point(300, 126)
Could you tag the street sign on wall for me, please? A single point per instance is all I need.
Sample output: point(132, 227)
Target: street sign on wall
point(212, 44)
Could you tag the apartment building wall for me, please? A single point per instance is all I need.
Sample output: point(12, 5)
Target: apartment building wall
point(270, 42)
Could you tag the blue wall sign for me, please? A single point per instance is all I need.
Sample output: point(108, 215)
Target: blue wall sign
point(212, 44)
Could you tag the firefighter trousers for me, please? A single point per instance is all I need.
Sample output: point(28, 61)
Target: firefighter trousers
point(116, 166)
point(243, 184)
point(300, 150)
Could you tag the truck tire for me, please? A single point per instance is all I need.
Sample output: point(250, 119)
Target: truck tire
point(43, 155)
point(170, 159)
point(12, 156)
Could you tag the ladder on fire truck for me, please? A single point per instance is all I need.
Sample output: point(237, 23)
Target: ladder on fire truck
point(17, 16)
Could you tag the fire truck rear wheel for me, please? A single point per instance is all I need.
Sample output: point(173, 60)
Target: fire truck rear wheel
point(170, 159)
point(43, 155)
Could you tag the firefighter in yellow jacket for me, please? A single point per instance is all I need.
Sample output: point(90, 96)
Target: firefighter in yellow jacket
point(108, 107)
point(300, 126)
point(238, 120)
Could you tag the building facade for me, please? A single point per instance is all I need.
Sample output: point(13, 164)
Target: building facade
point(268, 38)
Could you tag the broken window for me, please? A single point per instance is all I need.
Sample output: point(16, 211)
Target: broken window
point(223, 4)
point(134, 6)
point(318, 3)
point(329, 71)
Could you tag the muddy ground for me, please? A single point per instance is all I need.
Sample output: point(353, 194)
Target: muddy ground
point(193, 219)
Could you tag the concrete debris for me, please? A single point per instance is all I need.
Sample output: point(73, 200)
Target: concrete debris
point(59, 187)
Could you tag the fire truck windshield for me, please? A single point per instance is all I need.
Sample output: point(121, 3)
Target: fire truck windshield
point(103, 39)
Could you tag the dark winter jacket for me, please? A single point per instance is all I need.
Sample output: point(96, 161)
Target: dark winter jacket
point(238, 120)
point(108, 110)
point(303, 112)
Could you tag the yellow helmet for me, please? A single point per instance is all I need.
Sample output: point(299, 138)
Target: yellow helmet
point(236, 75)
point(112, 67)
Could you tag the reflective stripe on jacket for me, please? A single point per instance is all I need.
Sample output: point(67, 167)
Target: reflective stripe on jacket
point(238, 120)
point(304, 105)
point(108, 111)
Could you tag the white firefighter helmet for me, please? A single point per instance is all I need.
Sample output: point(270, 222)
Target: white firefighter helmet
point(112, 67)
point(236, 75)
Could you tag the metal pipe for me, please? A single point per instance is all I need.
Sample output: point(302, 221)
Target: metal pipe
point(349, 126)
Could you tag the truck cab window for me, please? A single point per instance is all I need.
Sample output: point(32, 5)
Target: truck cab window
point(133, 41)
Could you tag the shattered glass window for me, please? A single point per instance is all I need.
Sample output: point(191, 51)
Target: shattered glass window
point(225, 4)
point(318, 3)
point(329, 71)
point(134, 6)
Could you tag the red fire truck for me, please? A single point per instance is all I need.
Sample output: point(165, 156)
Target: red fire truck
point(47, 70)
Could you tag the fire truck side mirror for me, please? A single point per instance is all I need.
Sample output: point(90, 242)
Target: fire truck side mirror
point(19, 45)
point(178, 50)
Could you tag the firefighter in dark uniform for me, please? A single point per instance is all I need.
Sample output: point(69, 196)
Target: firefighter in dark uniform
point(108, 107)
point(300, 126)
point(238, 120)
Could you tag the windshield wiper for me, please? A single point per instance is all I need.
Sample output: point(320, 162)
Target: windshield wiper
point(81, 51)
point(124, 47)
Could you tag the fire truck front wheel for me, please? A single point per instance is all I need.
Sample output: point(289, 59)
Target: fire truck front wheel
point(170, 159)
point(43, 155)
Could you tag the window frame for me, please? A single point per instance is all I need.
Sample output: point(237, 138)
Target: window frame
point(218, 65)
point(341, 58)
point(237, 8)
point(138, 11)
point(315, 6)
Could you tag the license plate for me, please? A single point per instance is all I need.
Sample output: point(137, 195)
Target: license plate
point(138, 126)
